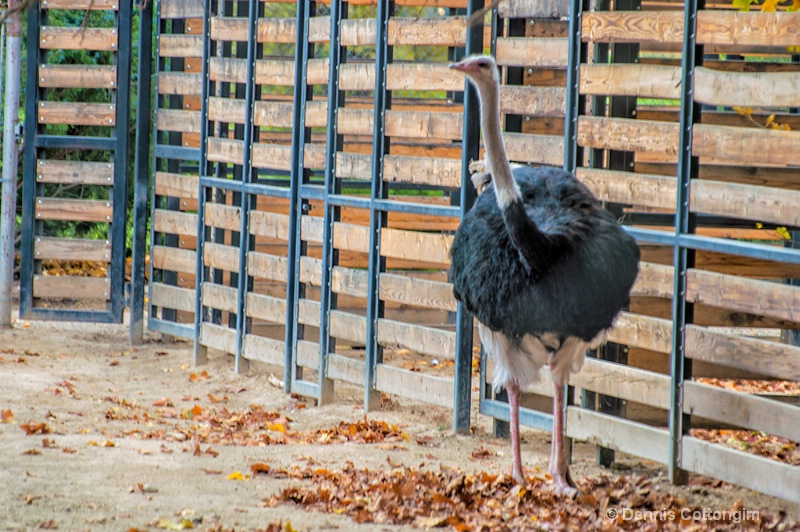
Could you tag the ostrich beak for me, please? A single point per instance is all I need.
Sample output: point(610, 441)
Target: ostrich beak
point(460, 66)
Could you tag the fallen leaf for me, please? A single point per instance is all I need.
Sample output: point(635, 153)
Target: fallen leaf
point(169, 524)
point(164, 401)
point(212, 471)
point(49, 443)
point(48, 525)
point(32, 428)
point(69, 450)
point(6, 416)
point(236, 475)
point(32, 451)
point(259, 468)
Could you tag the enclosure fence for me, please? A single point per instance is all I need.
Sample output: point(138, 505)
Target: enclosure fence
point(311, 167)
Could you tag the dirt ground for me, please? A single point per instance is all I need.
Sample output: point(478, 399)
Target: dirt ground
point(91, 466)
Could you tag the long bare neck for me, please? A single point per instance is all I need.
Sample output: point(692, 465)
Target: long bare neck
point(506, 188)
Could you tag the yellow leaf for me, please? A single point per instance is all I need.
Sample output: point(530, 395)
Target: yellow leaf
point(289, 527)
point(277, 427)
point(769, 5)
point(404, 435)
point(759, 225)
point(169, 524)
point(770, 120)
point(109, 443)
point(744, 111)
point(236, 475)
point(795, 7)
point(92, 443)
point(784, 233)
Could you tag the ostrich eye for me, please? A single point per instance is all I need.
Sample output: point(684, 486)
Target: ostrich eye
point(483, 64)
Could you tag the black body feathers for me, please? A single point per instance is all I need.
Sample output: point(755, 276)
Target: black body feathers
point(560, 263)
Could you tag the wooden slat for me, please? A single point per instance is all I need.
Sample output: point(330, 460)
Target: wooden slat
point(74, 210)
point(533, 8)
point(633, 26)
point(425, 340)
point(747, 146)
point(225, 298)
point(748, 89)
point(223, 216)
point(437, 171)
point(654, 280)
point(626, 187)
point(533, 101)
point(342, 368)
point(226, 110)
point(753, 28)
point(351, 237)
point(628, 134)
point(742, 410)
point(225, 150)
point(174, 222)
point(266, 350)
point(422, 76)
point(83, 5)
point(74, 172)
point(525, 52)
point(762, 204)
point(413, 245)
point(78, 76)
point(275, 114)
point(94, 39)
point(640, 80)
point(764, 357)
point(747, 295)
point(346, 326)
point(417, 292)
point(268, 71)
point(538, 149)
point(173, 297)
point(78, 114)
point(72, 249)
point(67, 287)
point(357, 32)
point(218, 337)
point(349, 281)
point(313, 156)
point(266, 308)
point(308, 312)
point(181, 8)
point(178, 120)
point(176, 185)
point(404, 383)
point(754, 472)
point(221, 256)
point(357, 77)
point(269, 225)
point(619, 434)
point(265, 266)
point(182, 83)
point(624, 382)
point(354, 166)
point(447, 31)
point(274, 156)
point(654, 334)
point(424, 125)
point(180, 46)
point(174, 259)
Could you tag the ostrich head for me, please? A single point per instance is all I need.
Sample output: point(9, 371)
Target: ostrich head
point(481, 70)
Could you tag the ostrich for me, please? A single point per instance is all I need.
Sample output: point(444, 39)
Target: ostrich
point(543, 267)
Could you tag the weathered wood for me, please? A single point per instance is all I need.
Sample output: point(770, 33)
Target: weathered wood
point(64, 38)
point(619, 434)
point(274, 156)
point(425, 340)
point(180, 83)
point(266, 308)
point(642, 81)
point(625, 382)
point(176, 185)
point(180, 46)
point(745, 469)
point(346, 326)
point(78, 114)
point(169, 9)
point(349, 281)
point(78, 76)
point(765, 357)
point(346, 369)
point(173, 297)
point(538, 149)
point(351, 237)
point(628, 134)
point(654, 280)
point(266, 350)
point(757, 89)
point(319, 30)
point(765, 298)
point(746, 146)
point(68, 287)
point(269, 225)
point(756, 203)
point(539, 53)
point(308, 312)
point(178, 120)
point(646, 332)
point(265, 266)
point(533, 101)
point(268, 71)
point(753, 28)
point(417, 292)
point(533, 8)
point(417, 386)
point(74, 210)
point(422, 171)
point(221, 257)
point(633, 26)
point(174, 222)
point(82, 5)
point(174, 259)
point(218, 337)
point(307, 354)
point(425, 247)
point(46, 248)
point(223, 216)
point(421, 76)
point(225, 150)
point(216, 296)
point(422, 125)
point(446, 31)
point(74, 172)
point(708, 316)
point(626, 187)
point(354, 166)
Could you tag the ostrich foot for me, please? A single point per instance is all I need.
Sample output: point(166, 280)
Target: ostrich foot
point(480, 181)
point(563, 483)
point(518, 474)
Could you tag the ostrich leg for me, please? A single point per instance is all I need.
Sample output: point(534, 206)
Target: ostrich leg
point(559, 469)
point(516, 455)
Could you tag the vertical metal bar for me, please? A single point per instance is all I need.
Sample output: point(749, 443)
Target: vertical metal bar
point(299, 137)
point(682, 311)
point(462, 376)
point(577, 52)
point(380, 146)
point(141, 173)
point(333, 142)
point(30, 187)
point(200, 351)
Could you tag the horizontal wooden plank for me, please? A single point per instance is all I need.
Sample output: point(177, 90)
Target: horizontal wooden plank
point(774, 359)
point(654, 334)
point(639, 80)
point(180, 46)
point(413, 245)
point(178, 120)
point(225, 150)
point(69, 287)
point(354, 166)
point(539, 53)
point(72, 38)
point(633, 26)
point(425, 340)
point(422, 76)
point(348, 281)
point(83, 5)
point(351, 237)
point(628, 134)
point(445, 31)
point(274, 156)
point(266, 266)
point(268, 71)
point(308, 312)
point(417, 386)
point(46, 248)
point(74, 172)
point(747, 146)
point(533, 101)
point(176, 185)
point(745, 469)
point(424, 125)
point(746, 89)
point(533, 8)
point(170, 9)
point(221, 257)
point(654, 280)
point(342, 368)
point(761, 204)
point(266, 308)
point(77, 114)
point(754, 28)
point(357, 77)
point(349, 327)
point(179, 83)
point(173, 297)
point(269, 225)
point(626, 187)
point(223, 216)
point(356, 32)
point(266, 350)
point(274, 114)
point(274, 30)
point(537, 149)
point(225, 298)
point(77, 76)
point(441, 172)
point(218, 337)
point(74, 210)
point(619, 434)
point(764, 298)
point(417, 292)
point(174, 222)
point(174, 259)
point(624, 382)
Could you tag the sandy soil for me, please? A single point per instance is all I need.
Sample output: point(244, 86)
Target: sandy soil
point(79, 379)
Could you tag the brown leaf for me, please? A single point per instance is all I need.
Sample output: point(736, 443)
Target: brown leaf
point(164, 401)
point(212, 471)
point(48, 525)
point(32, 451)
point(6, 416)
point(49, 443)
point(32, 428)
point(259, 468)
